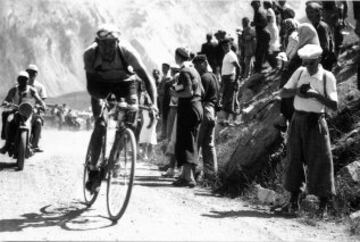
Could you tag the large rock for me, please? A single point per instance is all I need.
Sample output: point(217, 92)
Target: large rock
point(355, 222)
point(257, 141)
point(351, 173)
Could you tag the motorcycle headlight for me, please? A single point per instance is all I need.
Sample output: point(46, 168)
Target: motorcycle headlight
point(25, 109)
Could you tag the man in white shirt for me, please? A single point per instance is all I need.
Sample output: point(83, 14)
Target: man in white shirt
point(37, 121)
point(230, 72)
point(314, 90)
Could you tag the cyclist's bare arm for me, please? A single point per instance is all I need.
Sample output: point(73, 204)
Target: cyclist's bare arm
point(139, 68)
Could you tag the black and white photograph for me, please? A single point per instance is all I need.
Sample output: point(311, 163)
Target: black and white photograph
point(180, 120)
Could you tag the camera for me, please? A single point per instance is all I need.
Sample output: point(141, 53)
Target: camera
point(304, 88)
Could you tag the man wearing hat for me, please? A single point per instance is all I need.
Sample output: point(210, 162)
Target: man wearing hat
point(207, 128)
point(37, 121)
point(189, 115)
point(314, 91)
point(111, 67)
point(22, 92)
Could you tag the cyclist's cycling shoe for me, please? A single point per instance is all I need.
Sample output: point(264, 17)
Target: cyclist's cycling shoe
point(94, 182)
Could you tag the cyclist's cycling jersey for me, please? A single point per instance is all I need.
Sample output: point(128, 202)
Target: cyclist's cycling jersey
point(17, 97)
point(116, 70)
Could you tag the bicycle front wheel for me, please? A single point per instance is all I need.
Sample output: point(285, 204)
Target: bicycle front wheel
point(121, 173)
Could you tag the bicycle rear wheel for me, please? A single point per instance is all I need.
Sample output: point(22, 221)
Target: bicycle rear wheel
point(121, 174)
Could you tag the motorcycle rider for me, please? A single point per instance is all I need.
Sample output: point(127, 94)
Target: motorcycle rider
point(111, 67)
point(37, 122)
point(22, 92)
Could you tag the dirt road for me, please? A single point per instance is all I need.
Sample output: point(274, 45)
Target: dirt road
point(44, 202)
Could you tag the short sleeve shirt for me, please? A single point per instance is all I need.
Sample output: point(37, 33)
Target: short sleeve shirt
point(40, 88)
point(228, 67)
point(301, 76)
point(17, 97)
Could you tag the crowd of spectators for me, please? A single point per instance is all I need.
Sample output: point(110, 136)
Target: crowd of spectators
point(197, 86)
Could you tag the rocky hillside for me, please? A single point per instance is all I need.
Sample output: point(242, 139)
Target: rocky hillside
point(53, 34)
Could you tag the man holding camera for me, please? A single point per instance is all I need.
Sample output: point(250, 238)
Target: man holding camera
point(314, 90)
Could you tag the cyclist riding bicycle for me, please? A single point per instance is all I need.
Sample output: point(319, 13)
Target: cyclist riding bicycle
point(111, 67)
point(22, 92)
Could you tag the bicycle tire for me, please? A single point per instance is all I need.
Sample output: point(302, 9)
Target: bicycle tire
point(89, 197)
point(115, 183)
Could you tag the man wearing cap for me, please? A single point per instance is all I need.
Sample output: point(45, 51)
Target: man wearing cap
point(22, 92)
point(207, 128)
point(314, 90)
point(37, 121)
point(189, 115)
point(111, 67)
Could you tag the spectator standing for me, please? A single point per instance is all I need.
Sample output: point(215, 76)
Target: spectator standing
point(171, 126)
point(272, 28)
point(207, 128)
point(164, 98)
point(284, 11)
point(156, 75)
point(230, 73)
point(262, 35)
point(334, 14)
point(313, 12)
point(247, 44)
point(209, 49)
point(147, 137)
point(314, 90)
point(189, 116)
point(220, 36)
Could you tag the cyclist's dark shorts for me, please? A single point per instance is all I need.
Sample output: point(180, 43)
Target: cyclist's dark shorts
point(123, 89)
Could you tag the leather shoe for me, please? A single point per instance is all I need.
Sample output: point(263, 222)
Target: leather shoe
point(184, 183)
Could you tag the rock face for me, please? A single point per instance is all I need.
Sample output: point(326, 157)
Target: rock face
point(355, 222)
point(53, 34)
point(259, 137)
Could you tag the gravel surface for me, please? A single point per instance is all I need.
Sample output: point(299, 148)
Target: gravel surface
point(44, 202)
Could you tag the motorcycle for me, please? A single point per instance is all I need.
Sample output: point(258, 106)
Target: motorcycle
point(20, 149)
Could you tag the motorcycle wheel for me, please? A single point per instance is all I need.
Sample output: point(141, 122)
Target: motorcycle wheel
point(21, 150)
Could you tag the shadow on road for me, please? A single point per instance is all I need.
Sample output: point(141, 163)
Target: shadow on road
point(68, 217)
point(7, 165)
point(241, 214)
point(153, 181)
